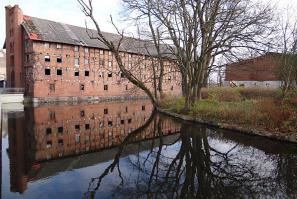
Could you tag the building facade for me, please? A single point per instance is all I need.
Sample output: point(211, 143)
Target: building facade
point(261, 71)
point(56, 61)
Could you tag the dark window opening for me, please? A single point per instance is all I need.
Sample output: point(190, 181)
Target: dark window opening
point(87, 73)
point(59, 71)
point(47, 58)
point(82, 87)
point(122, 75)
point(60, 129)
point(59, 59)
point(77, 127)
point(105, 111)
point(48, 131)
point(109, 74)
point(143, 108)
point(105, 87)
point(60, 142)
point(76, 73)
point(87, 126)
point(172, 88)
point(110, 123)
point(129, 121)
point(126, 109)
point(122, 121)
point(126, 87)
point(101, 124)
point(48, 144)
point(52, 115)
point(47, 71)
point(82, 113)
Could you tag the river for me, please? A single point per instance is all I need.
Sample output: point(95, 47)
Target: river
point(126, 150)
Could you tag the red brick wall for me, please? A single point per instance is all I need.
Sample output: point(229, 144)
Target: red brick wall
point(14, 46)
point(263, 68)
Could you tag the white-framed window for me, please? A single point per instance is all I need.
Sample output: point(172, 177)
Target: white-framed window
point(86, 50)
point(110, 64)
point(76, 48)
point(86, 61)
point(59, 46)
point(109, 53)
point(76, 61)
point(101, 52)
point(46, 45)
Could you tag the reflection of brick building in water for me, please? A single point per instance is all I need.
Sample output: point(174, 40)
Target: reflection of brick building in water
point(49, 138)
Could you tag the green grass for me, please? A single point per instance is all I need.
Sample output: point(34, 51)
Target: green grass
point(255, 108)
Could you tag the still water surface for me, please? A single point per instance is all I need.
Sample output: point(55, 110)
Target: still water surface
point(122, 150)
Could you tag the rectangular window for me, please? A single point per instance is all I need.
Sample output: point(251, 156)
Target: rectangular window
point(122, 121)
point(105, 87)
point(60, 142)
point(129, 121)
point(101, 52)
point(47, 58)
point(76, 61)
point(126, 109)
point(101, 74)
point(60, 129)
point(110, 64)
point(47, 71)
point(109, 53)
point(87, 126)
point(122, 75)
point(109, 74)
point(46, 45)
point(59, 59)
point(77, 138)
point(49, 144)
point(77, 127)
point(59, 46)
point(126, 87)
point(59, 71)
point(76, 48)
point(52, 87)
point(105, 111)
point(109, 123)
point(86, 50)
point(48, 131)
point(76, 73)
point(82, 87)
point(87, 73)
point(86, 61)
point(143, 108)
point(172, 88)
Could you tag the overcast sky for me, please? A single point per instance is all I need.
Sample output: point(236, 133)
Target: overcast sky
point(68, 11)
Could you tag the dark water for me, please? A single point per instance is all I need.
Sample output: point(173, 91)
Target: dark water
point(122, 150)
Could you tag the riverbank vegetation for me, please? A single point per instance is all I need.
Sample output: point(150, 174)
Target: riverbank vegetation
point(263, 109)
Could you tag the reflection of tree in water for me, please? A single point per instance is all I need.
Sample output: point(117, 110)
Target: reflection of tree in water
point(191, 167)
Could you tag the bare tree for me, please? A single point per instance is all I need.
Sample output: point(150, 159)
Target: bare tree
point(202, 30)
point(287, 37)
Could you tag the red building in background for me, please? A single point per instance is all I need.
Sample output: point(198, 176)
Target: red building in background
point(261, 71)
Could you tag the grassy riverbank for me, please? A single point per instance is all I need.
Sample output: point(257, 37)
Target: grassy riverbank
point(261, 109)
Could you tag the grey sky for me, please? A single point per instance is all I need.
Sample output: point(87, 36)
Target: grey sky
point(68, 11)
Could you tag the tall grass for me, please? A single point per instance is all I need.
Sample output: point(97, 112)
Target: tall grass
point(252, 107)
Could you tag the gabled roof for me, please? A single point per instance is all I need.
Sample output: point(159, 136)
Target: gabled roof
point(51, 31)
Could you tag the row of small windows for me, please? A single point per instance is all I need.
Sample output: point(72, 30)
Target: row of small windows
point(77, 127)
point(76, 49)
point(47, 71)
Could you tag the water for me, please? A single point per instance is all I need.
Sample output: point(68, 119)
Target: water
point(122, 150)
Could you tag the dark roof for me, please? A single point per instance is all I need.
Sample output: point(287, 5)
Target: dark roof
point(51, 31)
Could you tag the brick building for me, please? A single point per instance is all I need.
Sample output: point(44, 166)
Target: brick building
point(56, 61)
point(49, 139)
point(256, 72)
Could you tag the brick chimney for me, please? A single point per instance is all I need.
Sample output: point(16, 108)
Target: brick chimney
point(14, 46)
